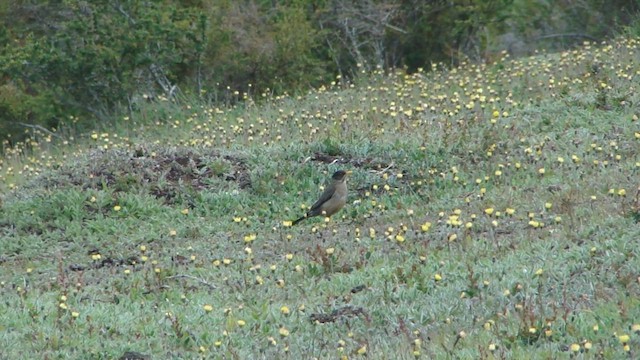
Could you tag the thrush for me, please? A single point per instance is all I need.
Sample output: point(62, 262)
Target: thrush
point(332, 199)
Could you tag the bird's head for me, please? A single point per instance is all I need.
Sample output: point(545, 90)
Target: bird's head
point(340, 175)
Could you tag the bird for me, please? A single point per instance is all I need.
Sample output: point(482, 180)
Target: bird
point(332, 199)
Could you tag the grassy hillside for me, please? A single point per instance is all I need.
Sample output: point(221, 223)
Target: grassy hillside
point(493, 213)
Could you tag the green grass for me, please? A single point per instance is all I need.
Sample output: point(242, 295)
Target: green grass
point(167, 235)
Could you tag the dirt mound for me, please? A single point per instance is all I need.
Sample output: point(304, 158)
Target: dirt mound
point(162, 172)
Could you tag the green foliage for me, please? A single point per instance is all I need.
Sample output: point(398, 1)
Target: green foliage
point(633, 29)
point(76, 62)
point(96, 57)
point(255, 48)
point(470, 31)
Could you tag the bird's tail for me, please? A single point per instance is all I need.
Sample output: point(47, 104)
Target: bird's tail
point(297, 221)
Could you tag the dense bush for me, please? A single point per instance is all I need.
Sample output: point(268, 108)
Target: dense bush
point(79, 58)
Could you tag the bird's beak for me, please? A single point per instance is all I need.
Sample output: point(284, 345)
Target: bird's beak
point(349, 172)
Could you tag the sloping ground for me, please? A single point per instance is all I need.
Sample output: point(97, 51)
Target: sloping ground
point(493, 214)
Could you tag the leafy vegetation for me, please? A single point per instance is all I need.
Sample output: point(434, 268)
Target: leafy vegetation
point(73, 64)
point(493, 213)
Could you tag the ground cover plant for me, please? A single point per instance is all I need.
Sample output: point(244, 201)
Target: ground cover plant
point(493, 213)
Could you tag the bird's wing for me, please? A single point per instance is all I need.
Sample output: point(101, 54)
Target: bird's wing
point(326, 195)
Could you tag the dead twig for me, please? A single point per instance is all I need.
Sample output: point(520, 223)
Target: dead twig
point(38, 127)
